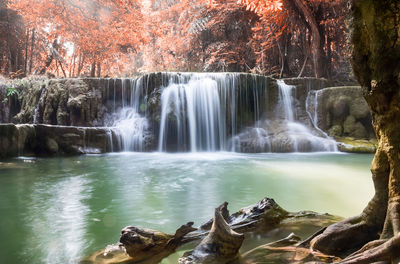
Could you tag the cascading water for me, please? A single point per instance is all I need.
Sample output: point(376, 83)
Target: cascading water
point(199, 111)
point(128, 124)
point(312, 109)
point(35, 112)
point(303, 139)
point(312, 102)
point(286, 100)
point(209, 112)
point(129, 127)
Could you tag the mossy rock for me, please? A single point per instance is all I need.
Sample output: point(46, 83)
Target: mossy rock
point(351, 145)
point(355, 129)
point(336, 131)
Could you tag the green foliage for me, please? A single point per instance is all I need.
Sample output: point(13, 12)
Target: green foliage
point(12, 90)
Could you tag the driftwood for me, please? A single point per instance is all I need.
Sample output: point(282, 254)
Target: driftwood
point(140, 244)
point(221, 236)
point(221, 245)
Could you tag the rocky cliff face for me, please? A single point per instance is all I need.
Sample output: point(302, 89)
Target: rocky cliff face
point(342, 112)
point(91, 108)
point(75, 102)
point(48, 140)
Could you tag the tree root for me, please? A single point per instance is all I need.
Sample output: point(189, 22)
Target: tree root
point(345, 237)
point(385, 251)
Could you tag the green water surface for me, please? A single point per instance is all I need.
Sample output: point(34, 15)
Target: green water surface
point(57, 210)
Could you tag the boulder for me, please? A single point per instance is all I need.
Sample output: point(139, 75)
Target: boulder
point(336, 131)
point(359, 108)
point(352, 128)
point(51, 146)
point(339, 106)
point(351, 145)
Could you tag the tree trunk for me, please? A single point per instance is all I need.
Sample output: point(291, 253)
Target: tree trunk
point(315, 34)
point(72, 68)
point(11, 63)
point(98, 69)
point(303, 67)
point(32, 49)
point(93, 70)
point(26, 52)
point(81, 61)
point(50, 57)
point(376, 56)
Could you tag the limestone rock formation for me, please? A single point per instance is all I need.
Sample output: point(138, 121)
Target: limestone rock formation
point(342, 112)
point(46, 140)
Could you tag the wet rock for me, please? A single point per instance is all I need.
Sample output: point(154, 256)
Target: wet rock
point(336, 131)
point(61, 102)
point(47, 140)
point(339, 106)
point(282, 136)
point(354, 129)
point(359, 108)
point(8, 140)
point(352, 145)
point(52, 146)
point(345, 107)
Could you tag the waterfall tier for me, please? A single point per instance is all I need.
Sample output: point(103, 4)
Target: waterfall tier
point(184, 112)
point(210, 112)
point(202, 112)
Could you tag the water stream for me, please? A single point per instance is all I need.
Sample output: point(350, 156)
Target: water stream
point(302, 137)
point(210, 112)
point(198, 109)
point(127, 122)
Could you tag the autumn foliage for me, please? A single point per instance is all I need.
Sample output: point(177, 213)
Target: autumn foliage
point(108, 38)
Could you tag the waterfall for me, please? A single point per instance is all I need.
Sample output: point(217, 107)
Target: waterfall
point(200, 111)
point(302, 138)
point(196, 106)
point(286, 99)
point(210, 112)
point(36, 110)
point(127, 123)
point(312, 103)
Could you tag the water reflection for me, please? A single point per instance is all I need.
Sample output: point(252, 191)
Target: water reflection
point(57, 217)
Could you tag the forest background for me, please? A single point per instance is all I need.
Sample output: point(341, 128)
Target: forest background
point(104, 38)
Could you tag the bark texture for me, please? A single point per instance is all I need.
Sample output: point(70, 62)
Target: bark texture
point(376, 64)
point(221, 245)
